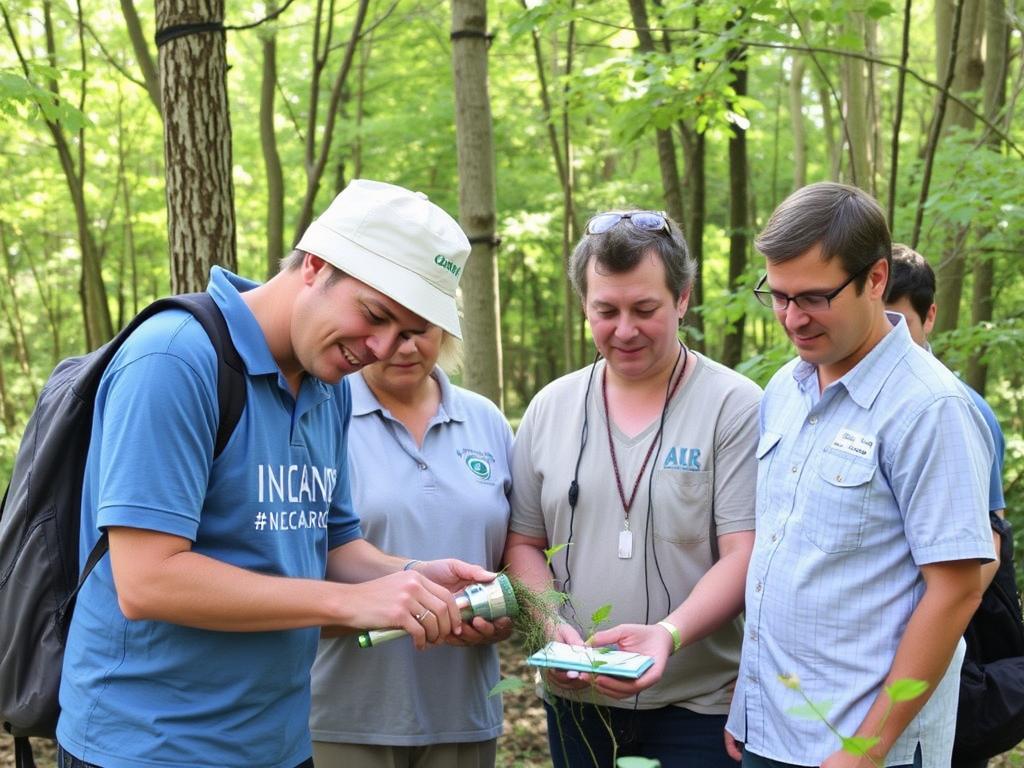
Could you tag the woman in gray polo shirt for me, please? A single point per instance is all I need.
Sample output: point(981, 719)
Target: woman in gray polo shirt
point(430, 476)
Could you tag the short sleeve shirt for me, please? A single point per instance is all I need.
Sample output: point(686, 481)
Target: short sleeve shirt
point(698, 483)
point(150, 693)
point(884, 472)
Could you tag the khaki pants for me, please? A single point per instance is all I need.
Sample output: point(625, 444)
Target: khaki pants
point(473, 754)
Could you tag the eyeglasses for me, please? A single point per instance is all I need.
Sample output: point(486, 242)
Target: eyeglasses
point(806, 302)
point(648, 221)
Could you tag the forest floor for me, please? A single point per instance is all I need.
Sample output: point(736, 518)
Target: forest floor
point(523, 745)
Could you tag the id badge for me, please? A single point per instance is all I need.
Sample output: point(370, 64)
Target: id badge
point(625, 545)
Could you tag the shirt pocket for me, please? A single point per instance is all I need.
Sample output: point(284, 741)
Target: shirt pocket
point(765, 453)
point(836, 509)
point(685, 497)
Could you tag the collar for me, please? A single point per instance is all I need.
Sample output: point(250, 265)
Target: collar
point(227, 289)
point(364, 402)
point(865, 380)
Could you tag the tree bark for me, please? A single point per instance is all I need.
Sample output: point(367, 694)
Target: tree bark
point(197, 144)
point(271, 158)
point(477, 197)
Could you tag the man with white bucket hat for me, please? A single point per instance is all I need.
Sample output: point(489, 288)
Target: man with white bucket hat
point(192, 643)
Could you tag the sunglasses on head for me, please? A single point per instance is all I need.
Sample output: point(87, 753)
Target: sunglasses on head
point(649, 221)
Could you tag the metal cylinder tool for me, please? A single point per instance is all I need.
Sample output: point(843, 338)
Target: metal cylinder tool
point(493, 600)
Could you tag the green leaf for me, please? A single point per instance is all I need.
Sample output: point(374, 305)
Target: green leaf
point(812, 710)
point(906, 689)
point(507, 685)
point(550, 552)
point(858, 745)
point(601, 614)
point(879, 9)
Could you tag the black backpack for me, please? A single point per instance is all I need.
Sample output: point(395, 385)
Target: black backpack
point(990, 715)
point(40, 518)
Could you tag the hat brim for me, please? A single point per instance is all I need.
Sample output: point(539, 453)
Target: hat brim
point(398, 283)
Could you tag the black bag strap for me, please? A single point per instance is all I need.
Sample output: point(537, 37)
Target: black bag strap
point(23, 753)
point(230, 392)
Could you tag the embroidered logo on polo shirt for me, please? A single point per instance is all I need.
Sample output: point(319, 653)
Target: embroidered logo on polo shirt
point(681, 457)
point(477, 462)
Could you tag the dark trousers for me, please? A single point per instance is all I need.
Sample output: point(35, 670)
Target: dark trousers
point(66, 760)
point(578, 736)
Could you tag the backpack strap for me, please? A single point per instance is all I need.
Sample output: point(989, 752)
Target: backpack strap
point(230, 394)
point(230, 367)
point(23, 753)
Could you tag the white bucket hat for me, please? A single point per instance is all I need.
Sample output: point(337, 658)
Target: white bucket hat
point(398, 242)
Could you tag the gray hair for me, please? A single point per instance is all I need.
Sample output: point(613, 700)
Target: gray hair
point(623, 246)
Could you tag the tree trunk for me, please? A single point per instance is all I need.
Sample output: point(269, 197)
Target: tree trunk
point(732, 344)
point(855, 122)
point(561, 151)
point(477, 197)
point(271, 158)
point(897, 122)
point(670, 184)
point(796, 116)
point(142, 53)
point(966, 79)
point(997, 43)
point(316, 156)
point(197, 144)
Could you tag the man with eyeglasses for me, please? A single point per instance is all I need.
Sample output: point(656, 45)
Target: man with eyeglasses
point(871, 509)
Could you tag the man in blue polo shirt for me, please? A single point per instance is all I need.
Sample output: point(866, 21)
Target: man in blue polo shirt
point(191, 644)
point(872, 517)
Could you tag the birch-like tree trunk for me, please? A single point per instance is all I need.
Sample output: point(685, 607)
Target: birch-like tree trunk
point(197, 144)
point(477, 198)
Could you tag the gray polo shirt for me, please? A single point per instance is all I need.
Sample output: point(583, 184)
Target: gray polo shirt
point(446, 499)
point(705, 467)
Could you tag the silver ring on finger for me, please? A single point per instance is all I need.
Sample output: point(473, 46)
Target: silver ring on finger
point(421, 615)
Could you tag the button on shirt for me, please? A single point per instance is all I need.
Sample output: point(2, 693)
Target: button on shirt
point(887, 470)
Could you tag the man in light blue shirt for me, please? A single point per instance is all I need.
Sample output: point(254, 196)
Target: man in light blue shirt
point(871, 508)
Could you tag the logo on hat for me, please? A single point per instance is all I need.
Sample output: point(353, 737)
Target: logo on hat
point(444, 263)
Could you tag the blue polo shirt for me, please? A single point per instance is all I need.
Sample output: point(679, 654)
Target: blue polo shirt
point(859, 486)
point(149, 693)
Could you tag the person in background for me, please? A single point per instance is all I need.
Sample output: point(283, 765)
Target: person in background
point(639, 472)
point(912, 294)
point(872, 521)
point(191, 643)
point(429, 463)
